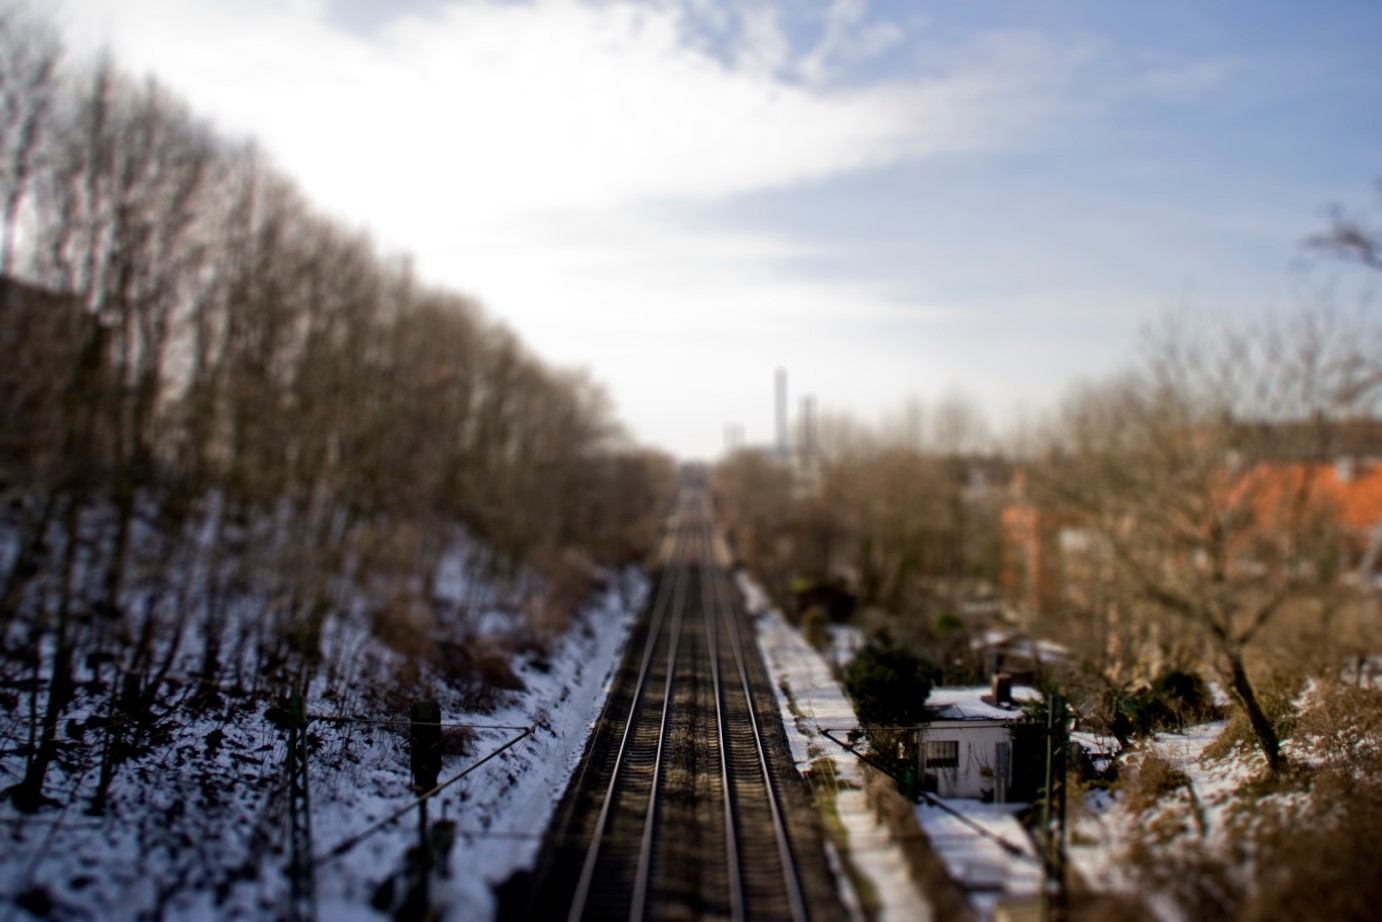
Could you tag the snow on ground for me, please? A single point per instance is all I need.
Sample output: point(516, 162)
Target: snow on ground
point(1103, 830)
point(981, 865)
point(810, 700)
point(875, 854)
point(1183, 823)
point(1101, 750)
point(1214, 781)
point(506, 809)
point(502, 808)
point(195, 824)
point(845, 639)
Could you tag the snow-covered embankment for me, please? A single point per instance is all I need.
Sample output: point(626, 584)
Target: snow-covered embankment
point(811, 701)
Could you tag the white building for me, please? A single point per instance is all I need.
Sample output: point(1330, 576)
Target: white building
point(967, 748)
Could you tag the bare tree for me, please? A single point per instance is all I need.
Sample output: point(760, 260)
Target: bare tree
point(1199, 474)
point(29, 55)
point(215, 391)
point(1350, 238)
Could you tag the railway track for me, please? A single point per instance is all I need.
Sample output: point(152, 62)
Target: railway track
point(686, 804)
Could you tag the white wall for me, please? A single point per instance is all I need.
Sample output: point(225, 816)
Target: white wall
point(979, 769)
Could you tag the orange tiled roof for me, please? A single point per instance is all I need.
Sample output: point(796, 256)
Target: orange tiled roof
point(1356, 495)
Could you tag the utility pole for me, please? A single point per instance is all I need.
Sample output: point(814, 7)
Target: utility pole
point(425, 726)
point(1054, 906)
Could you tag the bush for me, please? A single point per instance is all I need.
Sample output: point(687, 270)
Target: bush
point(1325, 868)
point(1300, 844)
point(1154, 779)
point(457, 740)
point(1174, 700)
point(946, 623)
point(889, 683)
point(497, 673)
point(1193, 877)
point(404, 626)
point(815, 627)
point(1341, 724)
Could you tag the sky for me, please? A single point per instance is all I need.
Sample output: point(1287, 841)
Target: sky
point(891, 200)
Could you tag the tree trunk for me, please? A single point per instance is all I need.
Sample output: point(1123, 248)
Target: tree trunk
point(27, 795)
point(29, 536)
point(1247, 698)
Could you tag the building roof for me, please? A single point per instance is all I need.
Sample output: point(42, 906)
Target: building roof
point(1047, 651)
point(975, 702)
point(1309, 440)
point(1352, 489)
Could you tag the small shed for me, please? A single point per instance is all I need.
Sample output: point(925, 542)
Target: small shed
point(967, 746)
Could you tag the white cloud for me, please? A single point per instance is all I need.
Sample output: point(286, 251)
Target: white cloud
point(504, 109)
point(763, 48)
point(1184, 81)
point(516, 149)
point(847, 39)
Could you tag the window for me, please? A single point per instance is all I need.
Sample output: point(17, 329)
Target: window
point(942, 753)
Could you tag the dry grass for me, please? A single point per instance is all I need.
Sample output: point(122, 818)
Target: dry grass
point(924, 863)
point(1278, 701)
point(497, 673)
point(404, 627)
point(1196, 878)
point(457, 741)
point(1319, 861)
point(1302, 844)
point(1154, 779)
point(815, 627)
point(1341, 723)
point(570, 579)
point(825, 786)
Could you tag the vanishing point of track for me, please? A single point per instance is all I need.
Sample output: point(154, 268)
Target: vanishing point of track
point(687, 805)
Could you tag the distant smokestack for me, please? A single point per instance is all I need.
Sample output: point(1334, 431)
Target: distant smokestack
point(808, 426)
point(782, 445)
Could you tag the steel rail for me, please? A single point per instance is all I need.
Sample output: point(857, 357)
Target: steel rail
point(666, 592)
point(736, 881)
point(645, 849)
point(692, 544)
point(723, 601)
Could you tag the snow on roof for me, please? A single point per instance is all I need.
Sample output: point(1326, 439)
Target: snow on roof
point(1047, 651)
point(974, 702)
point(994, 636)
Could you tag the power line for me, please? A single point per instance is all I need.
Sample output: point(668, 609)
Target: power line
point(349, 843)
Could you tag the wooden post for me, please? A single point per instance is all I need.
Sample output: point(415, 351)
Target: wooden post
point(426, 745)
point(425, 736)
point(1053, 901)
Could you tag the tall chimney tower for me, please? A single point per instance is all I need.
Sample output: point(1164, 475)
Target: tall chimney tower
point(782, 446)
point(807, 448)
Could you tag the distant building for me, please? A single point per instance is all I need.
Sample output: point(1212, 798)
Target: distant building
point(1349, 487)
point(1051, 559)
point(968, 744)
point(1032, 573)
point(1006, 650)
